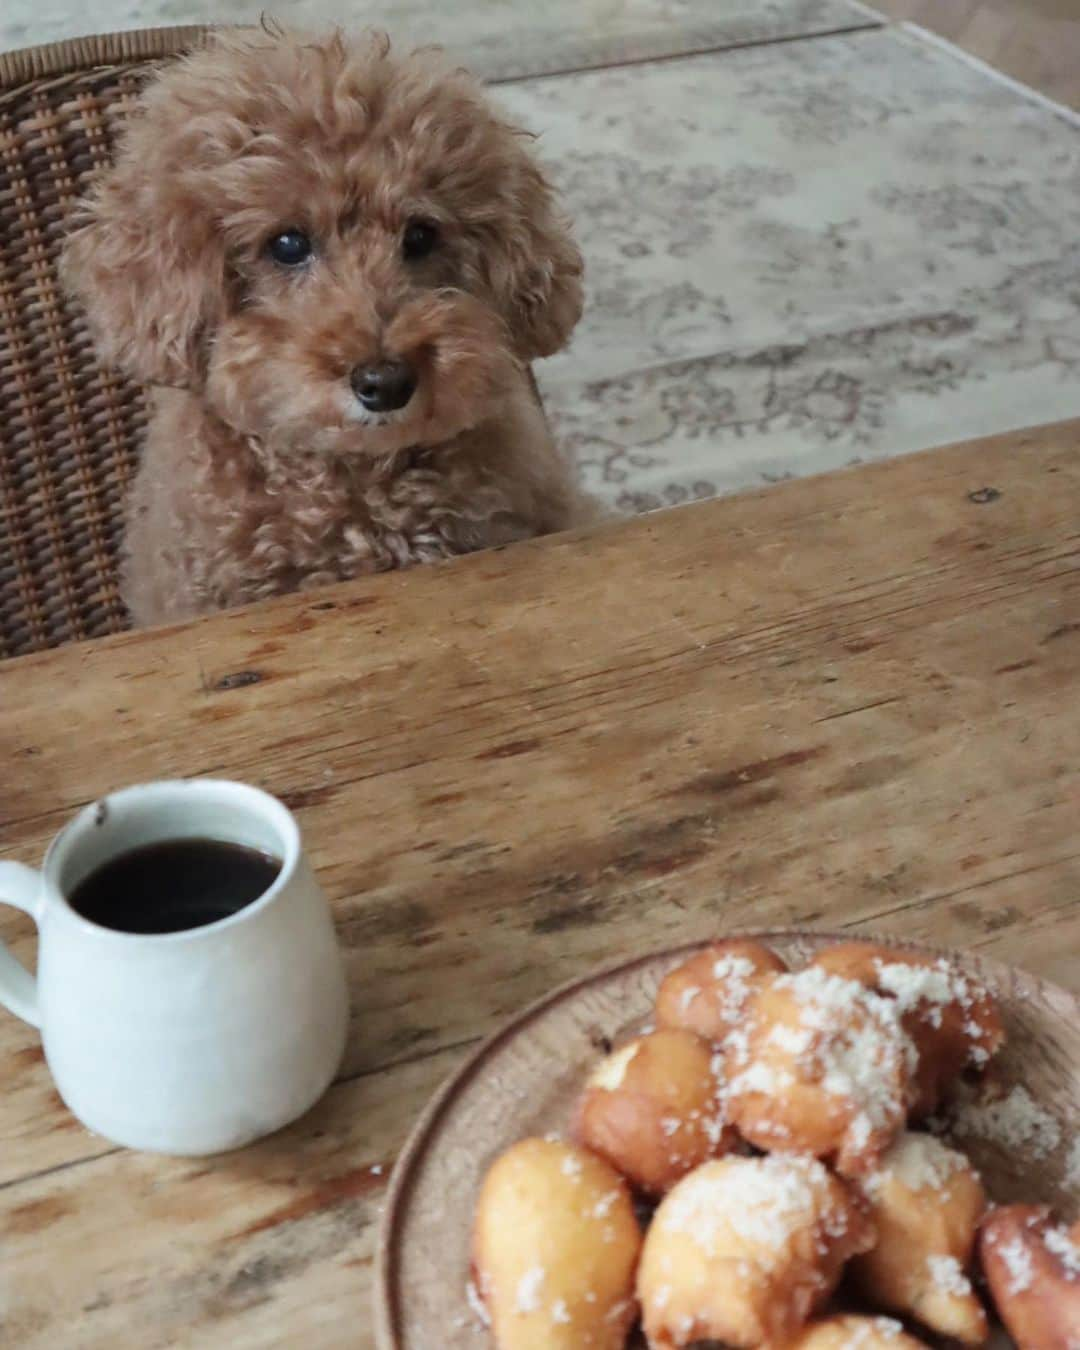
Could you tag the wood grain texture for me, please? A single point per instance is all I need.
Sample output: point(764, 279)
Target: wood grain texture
point(847, 702)
point(526, 1080)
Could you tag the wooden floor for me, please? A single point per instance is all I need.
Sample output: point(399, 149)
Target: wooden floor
point(1034, 41)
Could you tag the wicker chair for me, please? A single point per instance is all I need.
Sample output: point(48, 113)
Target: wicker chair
point(69, 430)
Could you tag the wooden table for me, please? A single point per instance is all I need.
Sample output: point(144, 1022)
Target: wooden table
point(847, 701)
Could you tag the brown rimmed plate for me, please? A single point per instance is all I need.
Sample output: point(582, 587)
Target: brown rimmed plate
point(525, 1079)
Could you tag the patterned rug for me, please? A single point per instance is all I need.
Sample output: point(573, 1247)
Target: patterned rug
point(804, 255)
point(499, 39)
point(811, 240)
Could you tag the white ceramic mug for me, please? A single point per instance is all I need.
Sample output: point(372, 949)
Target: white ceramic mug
point(188, 1042)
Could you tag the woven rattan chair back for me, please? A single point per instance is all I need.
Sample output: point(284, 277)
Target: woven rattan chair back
point(69, 429)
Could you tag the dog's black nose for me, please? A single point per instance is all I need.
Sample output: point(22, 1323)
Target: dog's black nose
point(384, 385)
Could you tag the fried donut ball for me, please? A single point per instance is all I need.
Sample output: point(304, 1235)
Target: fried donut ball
point(744, 1249)
point(1032, 1267)
point(555, 1246)
point(822, 1066)
point(926, 1201)
point(708, 994)
point(851, 1332)
point(950, 1017)
point(654, 1108)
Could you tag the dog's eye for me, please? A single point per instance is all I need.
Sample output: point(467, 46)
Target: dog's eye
point(290, 248)
point(419, 239)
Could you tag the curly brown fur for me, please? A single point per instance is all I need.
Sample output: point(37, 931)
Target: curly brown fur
point(262, 471)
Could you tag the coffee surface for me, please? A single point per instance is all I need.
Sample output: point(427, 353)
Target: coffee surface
point(174, 885)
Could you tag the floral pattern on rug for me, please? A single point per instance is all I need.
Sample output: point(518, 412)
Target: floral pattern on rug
point(806, 255)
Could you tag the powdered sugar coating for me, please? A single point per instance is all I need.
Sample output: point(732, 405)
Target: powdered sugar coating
point(527, 1294)
point(708, 992)
point(759, 1199)
point(795, 1041)
point(1015, 1121)
point(863, 1333)
point(744, 1249)
point(735, 976)
point(736, 969)
point(560, 1314)
point(1018, 1263)
point(912, 985)
point(919, 1162)
point(851, 1331)
point(1060, 1244)
point(852, 1063)
point(947, 1012)
point(948, 1274)
point(759, 1077)
point(815, 1036)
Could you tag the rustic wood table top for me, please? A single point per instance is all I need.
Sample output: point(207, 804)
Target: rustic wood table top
point(848, 701)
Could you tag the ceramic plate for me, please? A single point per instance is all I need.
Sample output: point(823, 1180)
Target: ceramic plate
point(526, 1079)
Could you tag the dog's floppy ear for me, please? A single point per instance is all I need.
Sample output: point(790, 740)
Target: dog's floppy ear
point(535, 267)
point(145, 260)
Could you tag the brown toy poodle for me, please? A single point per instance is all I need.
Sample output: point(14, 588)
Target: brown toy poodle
point(333, 266)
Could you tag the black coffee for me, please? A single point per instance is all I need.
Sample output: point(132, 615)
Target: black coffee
point(178, 884)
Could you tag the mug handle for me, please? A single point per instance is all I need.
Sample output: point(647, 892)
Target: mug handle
point(21, 887)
